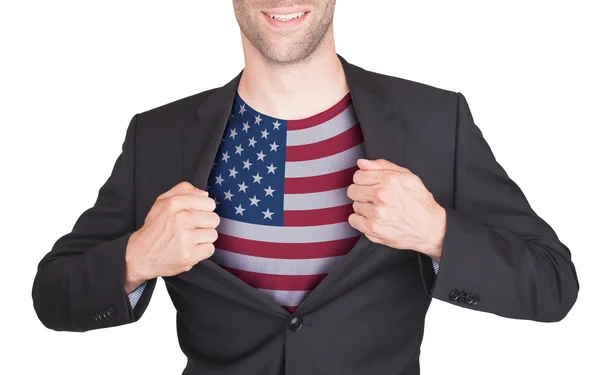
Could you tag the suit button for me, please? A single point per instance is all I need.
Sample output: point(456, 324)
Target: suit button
point(469, 299)
point(98, 319)
point(474, 300)
point(112, 312)
point(295, 324)
point(453, 295)
point(104, 315)
point(462, 296)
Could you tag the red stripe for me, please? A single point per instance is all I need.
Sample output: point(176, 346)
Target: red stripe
point(275, 250)
point(321, 117)
point(321, 216)
point(277, 282)
point(327, 147)
point(291, 309)
point(314, 184)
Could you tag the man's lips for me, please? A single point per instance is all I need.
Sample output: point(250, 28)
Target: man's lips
point(281, 19)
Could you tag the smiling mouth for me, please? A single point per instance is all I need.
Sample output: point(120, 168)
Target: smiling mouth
point(286, 17)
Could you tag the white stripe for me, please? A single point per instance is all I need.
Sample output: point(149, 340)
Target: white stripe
point(315, 201)
point(337, 125)
point(334, 163)
point(286, 297)
point(275, 266)
point(269, 233)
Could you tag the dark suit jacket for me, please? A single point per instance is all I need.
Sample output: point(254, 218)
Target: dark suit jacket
point(367, 316)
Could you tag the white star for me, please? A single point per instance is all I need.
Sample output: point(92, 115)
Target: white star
point(261, 156)
point(257, 120)
point(265, 133)
point(274, 146)
point(276, 125)
point(225, 156)
point(228, 195)
point(269, 191)
point(217, 202)
point(243, 187)
point(267, 214)
point(246, 127)
point(239, 210)
point(219, 180)
point(247, 164)
point(252, 142)
point(233, 172)
point(231, 117)
point(254, 201)
point(233, 133)
point(239, 149)
point(257, 178)
point(242, 109)
point(271, 168)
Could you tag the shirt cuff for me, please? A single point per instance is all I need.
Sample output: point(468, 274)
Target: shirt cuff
point(134, 296)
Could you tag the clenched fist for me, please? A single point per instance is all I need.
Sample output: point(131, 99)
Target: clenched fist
point(178, 232)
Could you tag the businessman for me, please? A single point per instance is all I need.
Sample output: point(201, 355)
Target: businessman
point(303, 216)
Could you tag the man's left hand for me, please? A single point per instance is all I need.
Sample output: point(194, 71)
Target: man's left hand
point(392, 207)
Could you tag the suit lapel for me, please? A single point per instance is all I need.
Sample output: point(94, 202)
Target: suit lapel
point(380, 122)
point(201, 138)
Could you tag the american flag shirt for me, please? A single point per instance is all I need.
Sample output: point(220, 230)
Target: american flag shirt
point(280, 187)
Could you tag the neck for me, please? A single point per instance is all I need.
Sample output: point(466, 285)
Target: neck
point(296, 90)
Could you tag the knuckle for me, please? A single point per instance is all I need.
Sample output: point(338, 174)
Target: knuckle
point(213, 235)
point(185, 185)
point(380, 194)
point(175, 203)
point(388, 179)
point(210, 203)
point(207, 250)
point(379, 211)
point(184, 238)
point(375, 229)
point(181, 218)
point(350, 191)
point(215, 219)
point(411, 179)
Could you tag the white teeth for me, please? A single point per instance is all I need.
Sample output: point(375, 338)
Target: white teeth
point(286, 17)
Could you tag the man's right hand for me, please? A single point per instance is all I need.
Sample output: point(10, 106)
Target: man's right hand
point(178, 232)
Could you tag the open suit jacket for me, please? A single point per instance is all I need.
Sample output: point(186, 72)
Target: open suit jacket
point(367, 316)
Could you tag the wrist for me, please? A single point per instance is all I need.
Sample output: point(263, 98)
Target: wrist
point(134, 275)
point(434, 243)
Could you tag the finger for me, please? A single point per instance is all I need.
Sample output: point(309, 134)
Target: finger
point(191, 201)
point(364, 209)
point(182, 188)
point(366, 164)
point(204, 235)
point(361, 193)
point(358, 222)
point(196, 219)
point(203, 251)
point(367, 177)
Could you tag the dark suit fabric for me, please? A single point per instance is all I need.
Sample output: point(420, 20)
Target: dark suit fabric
point(367, 316)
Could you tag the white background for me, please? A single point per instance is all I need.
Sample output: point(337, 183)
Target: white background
point(73, 74)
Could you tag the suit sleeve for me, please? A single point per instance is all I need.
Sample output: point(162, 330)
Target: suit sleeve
point(80, 283)
point(498, 255)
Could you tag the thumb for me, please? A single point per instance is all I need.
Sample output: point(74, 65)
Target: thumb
point(369, 165)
